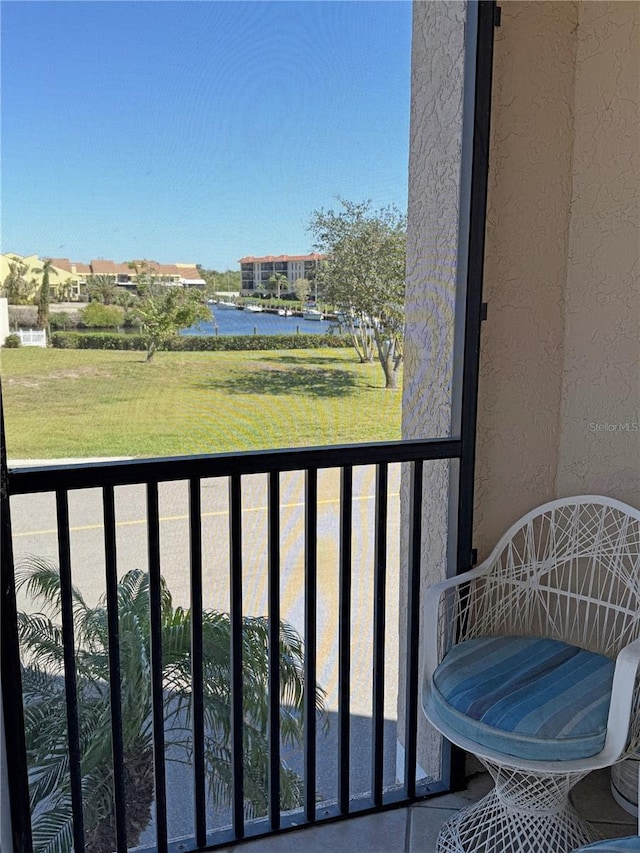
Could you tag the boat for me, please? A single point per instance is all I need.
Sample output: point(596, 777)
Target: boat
point(285, 312)
point(254, 309)
point(225, 305)
point(312, 314)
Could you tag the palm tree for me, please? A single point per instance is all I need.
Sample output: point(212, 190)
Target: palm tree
point(45, 710)
point(102, 288)
point(43, 299)
point(276, 282)
point(15, 285)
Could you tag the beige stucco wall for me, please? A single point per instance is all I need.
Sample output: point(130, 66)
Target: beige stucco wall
point(438, 56)
point(600, 437)
point(33, 274)
point(560, 347)
point(526, 260)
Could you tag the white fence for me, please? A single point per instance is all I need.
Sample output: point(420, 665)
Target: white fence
point(33, 338)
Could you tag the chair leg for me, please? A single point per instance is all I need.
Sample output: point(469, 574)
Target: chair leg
point(522, 814)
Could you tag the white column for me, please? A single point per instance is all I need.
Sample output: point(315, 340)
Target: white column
point(4, 319)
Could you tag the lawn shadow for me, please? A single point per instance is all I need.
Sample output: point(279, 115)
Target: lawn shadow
point(295, 381)
point(306, 359)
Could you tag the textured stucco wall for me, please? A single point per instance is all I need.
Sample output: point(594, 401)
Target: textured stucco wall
point(600, 435)
point(526, 263)
point(559, 397)
point(432, 242)
point(560, 347)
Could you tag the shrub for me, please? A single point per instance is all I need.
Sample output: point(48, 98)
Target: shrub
point(61, 320)
point(97, 340)
point(12, 341)
point(99, 316)
point(198, 343)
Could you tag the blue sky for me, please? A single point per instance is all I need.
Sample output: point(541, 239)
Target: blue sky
point(197, 131)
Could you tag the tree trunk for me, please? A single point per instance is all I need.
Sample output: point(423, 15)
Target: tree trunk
point(391, 376)
point(390, 360)
point(139, 794)
point(150, 351)
point(43, 303)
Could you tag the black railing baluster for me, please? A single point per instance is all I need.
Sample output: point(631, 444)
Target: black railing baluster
point(157, 697)
point(237, 733)
point(70, 681)
point(113, 629)
point(197, 680)
point(274, 649)
point(379, 625)
point(12, 699)
point(413, 629)
point(344, 639)
point(310, 664)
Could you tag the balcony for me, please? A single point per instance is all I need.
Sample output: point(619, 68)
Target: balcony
point(310, 537)
point(558, 361)
point(327, 489)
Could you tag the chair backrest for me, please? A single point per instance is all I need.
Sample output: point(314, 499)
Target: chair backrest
point(568, 570)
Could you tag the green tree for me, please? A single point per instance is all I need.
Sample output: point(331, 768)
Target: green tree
point(163, 309)
point(43, 299)
point(45, 708)
point(364, 277)
point(15, 286)
point(302, 289)
point(126, 298)
point(102, 288)
point(67, 289)
point(229, 281)
point(95, 315)
point(276, 283)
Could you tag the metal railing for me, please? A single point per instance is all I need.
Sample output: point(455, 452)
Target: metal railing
point(64, 481)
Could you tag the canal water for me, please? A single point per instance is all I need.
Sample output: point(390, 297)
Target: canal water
point(230, 321)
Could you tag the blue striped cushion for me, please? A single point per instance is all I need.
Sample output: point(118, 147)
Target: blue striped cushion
point(612, 845)
point(525, 696)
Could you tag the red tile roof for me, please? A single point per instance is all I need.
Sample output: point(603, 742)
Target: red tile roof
point(269, 258)
point(74, 267)
point(62, 264)
point(191, 273)
point(103, 267)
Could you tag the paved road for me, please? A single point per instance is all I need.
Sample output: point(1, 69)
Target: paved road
point(34, 524)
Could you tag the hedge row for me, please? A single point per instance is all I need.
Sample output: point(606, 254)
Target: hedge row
point(198, 343)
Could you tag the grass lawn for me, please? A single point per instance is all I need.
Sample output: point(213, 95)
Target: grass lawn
point(76, 403)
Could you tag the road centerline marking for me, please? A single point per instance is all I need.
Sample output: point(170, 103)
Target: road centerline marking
point(84, 528)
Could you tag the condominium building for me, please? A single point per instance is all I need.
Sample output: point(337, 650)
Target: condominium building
point(256, 272)
point(67, 279)
point(186, 275)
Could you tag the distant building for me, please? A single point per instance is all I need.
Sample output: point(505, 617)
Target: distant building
point(65, 279)
point(185, 275)
point(256, 272)
point(68, 278)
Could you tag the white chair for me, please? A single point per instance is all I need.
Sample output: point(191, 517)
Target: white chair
point(532, 664)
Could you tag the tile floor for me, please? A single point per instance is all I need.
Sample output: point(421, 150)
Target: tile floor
point(415, 829)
